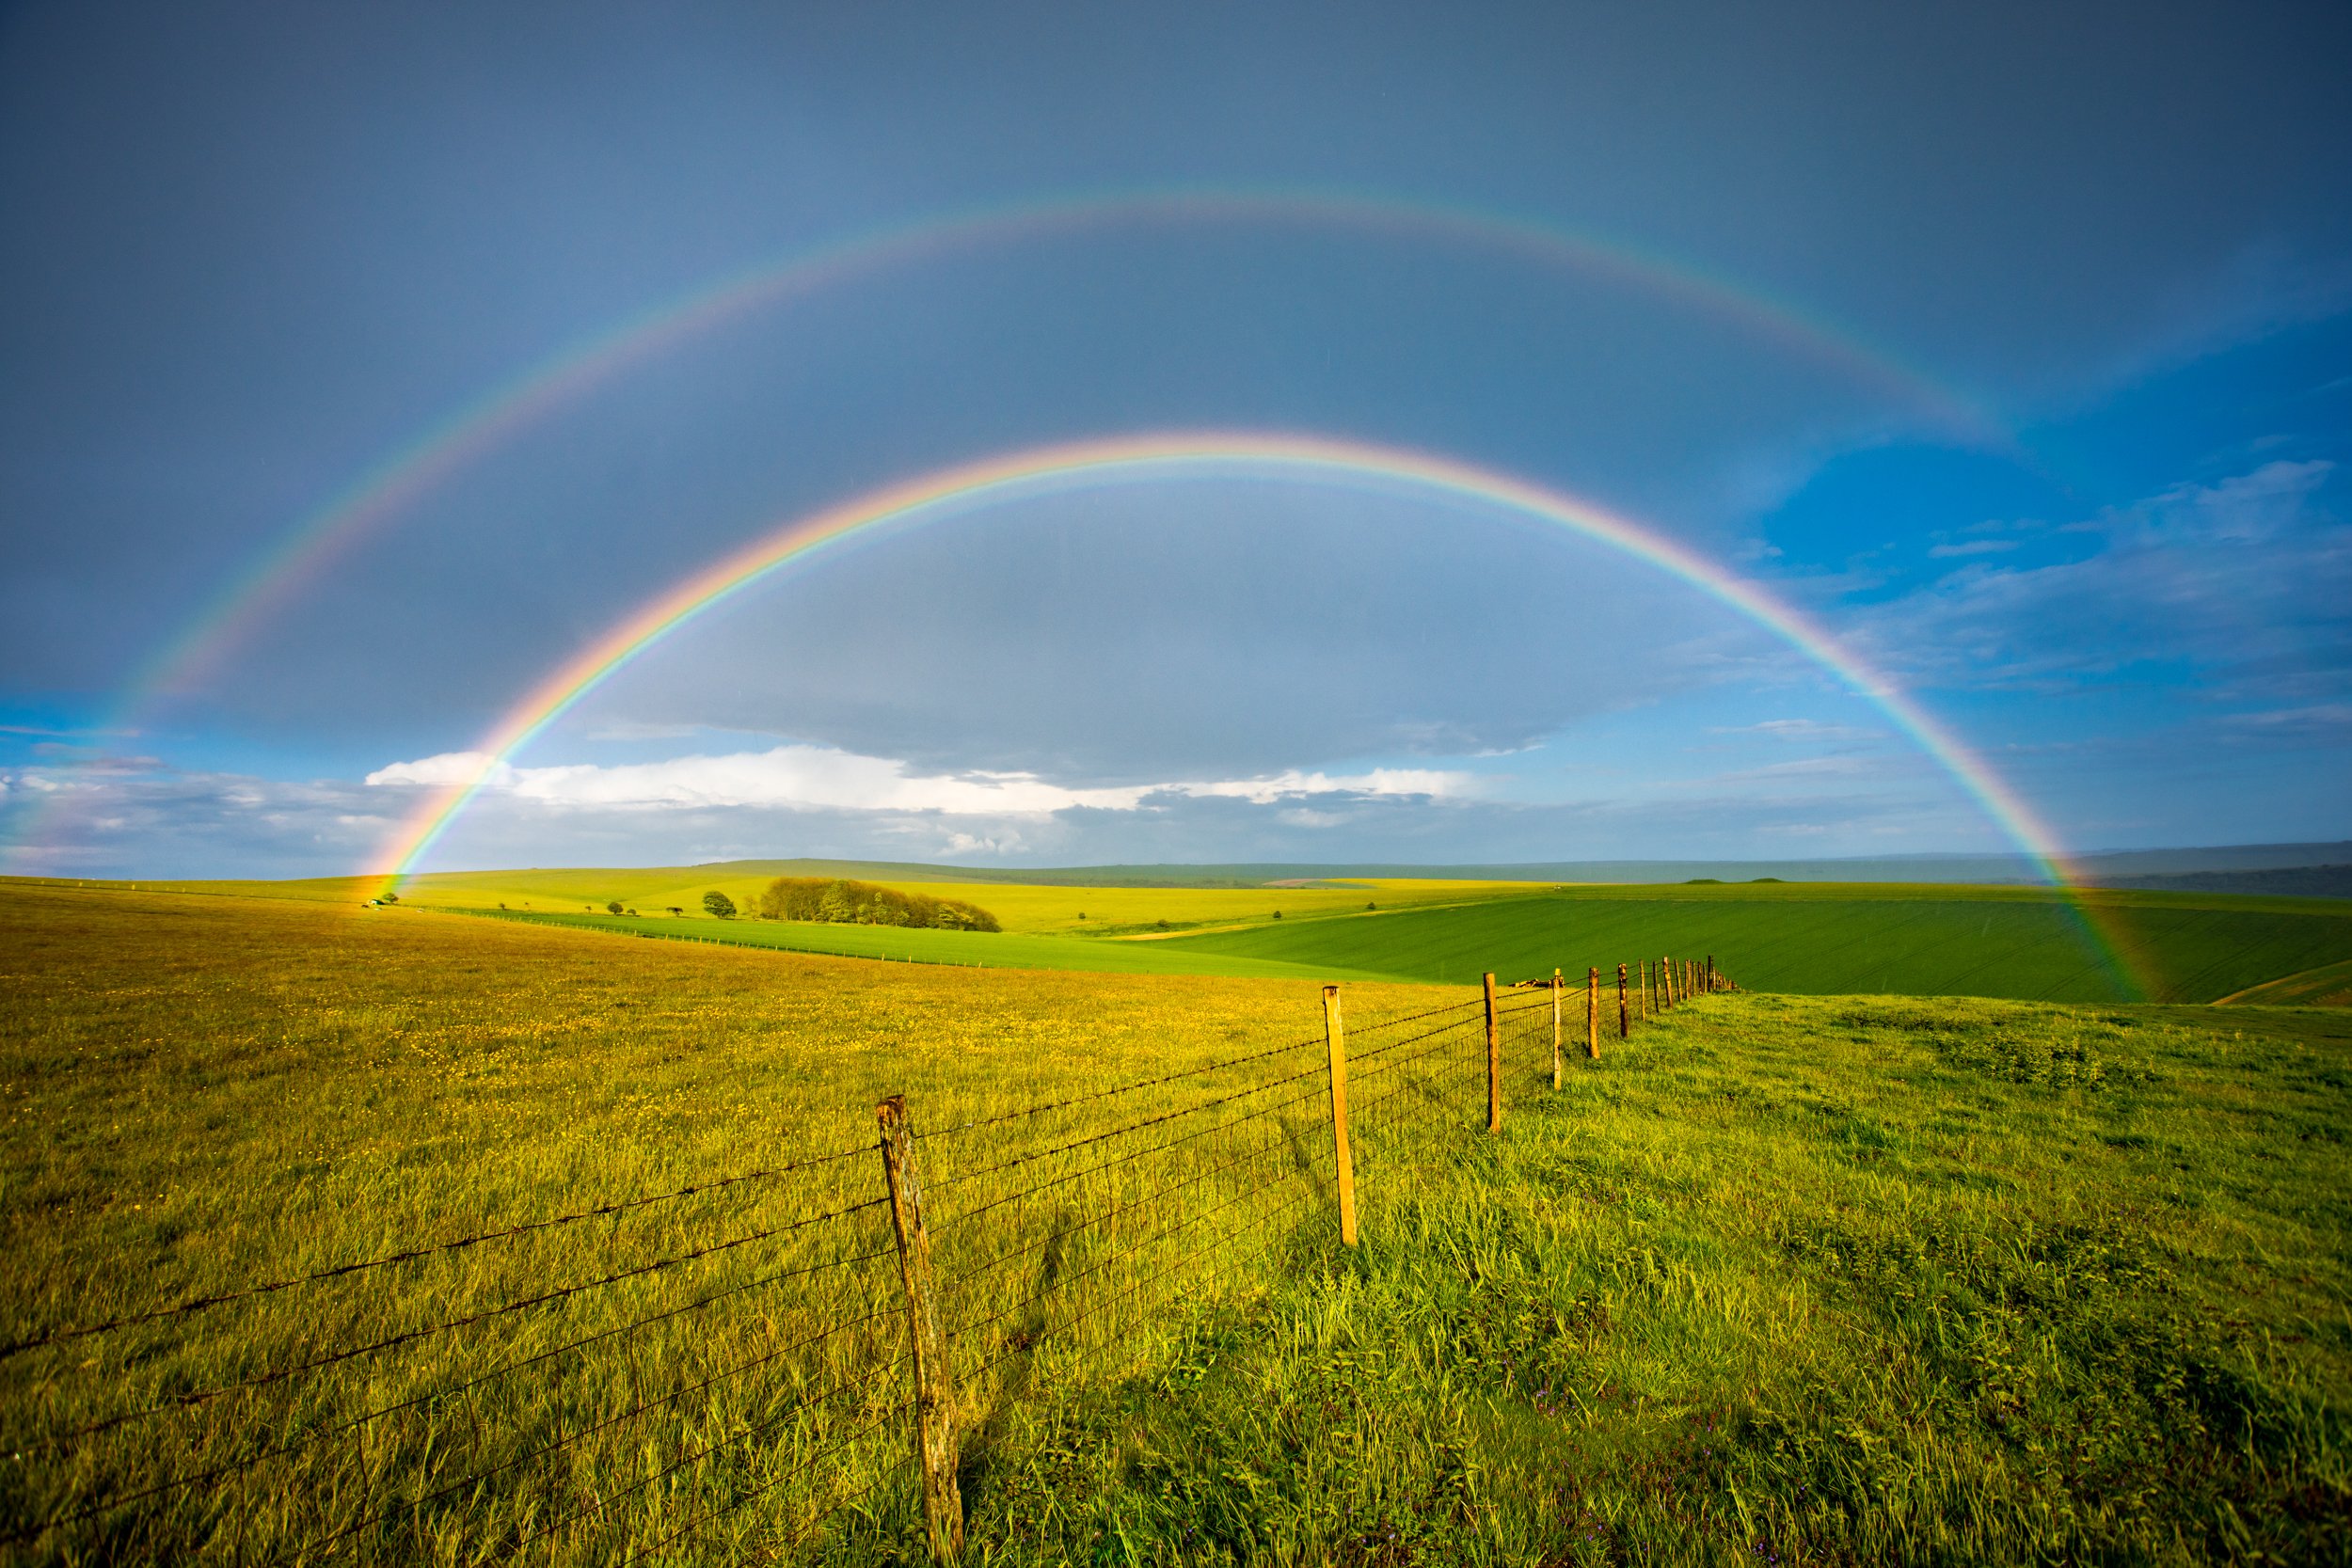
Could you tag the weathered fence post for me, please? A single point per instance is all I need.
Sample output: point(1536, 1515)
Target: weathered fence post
point(1343, 1158)
point(1592, 1012)
point(1624, 1018)
point(1494, 1061)
point(1710, 973)
point(935, 1447)
point(1556, 984)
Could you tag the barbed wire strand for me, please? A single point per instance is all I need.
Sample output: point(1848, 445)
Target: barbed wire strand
point(343, 1271)
point(320, 1433)
point(205, 1395)
point(1126, 1159)
point(818, 1401)
point(1156, 1194)
point(1165, 1116)
point(1113, 1093)
point(705, 1518)
point(1026, 1343)
point(1059, 1285)
point(1173, 1077)
point(417, 1505)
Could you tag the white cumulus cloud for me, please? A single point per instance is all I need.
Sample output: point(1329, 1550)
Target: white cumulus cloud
point(820, 777)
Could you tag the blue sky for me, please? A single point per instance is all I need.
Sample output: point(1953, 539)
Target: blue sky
point(251, 252)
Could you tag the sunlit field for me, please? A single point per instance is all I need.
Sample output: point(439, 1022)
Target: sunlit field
point(1842, 1278)
point(2027, 944)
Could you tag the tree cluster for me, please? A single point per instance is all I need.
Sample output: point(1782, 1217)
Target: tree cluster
point(843, 902)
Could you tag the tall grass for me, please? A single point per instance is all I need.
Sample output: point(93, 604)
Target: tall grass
point(1829, 1278)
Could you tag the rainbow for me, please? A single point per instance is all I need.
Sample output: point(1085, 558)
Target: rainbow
point(481, 427)
point(476, 430)
point(1130, 458)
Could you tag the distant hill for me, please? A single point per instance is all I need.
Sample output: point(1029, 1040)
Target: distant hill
point(2113, 868)
point(2287, 882)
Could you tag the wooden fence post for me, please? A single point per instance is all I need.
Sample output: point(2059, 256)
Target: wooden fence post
point(1625, 1019)
point(1494, 1061)
point(1592, 1013)
point(1556, 984)
point(1666, 981)
point(1710, 973)
point(935, 1444)
point(1343, 1158)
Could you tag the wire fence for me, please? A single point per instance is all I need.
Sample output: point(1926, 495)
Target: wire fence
point(770, 1358)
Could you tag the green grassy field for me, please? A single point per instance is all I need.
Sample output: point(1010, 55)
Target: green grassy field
point(2021, 942)
point(1805, 1279)
point(1825, 938)
point(1047, 909)
point(963, 949)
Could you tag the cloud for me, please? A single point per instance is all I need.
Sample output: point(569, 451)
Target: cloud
point(2237, 588)
point(1792, 729)
point(1973, 547)
point(2315, 722)
point(192, 824)
point(819, 777)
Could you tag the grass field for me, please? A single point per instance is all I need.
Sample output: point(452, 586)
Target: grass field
point(1825, 938)
point(1023, 909)
point(1805, 1279)
point(963, 949)
point(1829, 939)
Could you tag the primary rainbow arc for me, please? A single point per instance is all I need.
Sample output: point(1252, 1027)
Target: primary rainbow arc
point(1132, 457)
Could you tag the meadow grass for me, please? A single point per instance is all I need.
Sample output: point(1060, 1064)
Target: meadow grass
point(1814, 1279)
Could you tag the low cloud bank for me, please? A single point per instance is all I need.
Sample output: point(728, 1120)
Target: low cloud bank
point(820, 777)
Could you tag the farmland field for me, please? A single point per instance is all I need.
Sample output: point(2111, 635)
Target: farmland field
point(1821, 937)
point(1818, 1279)
point(968, 949)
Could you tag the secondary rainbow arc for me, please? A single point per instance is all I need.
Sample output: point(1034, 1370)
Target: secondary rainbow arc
point(1130, 457)
point(487, 422)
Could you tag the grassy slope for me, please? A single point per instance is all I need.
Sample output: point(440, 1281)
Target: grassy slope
point(2326, 985)
point(1814, 1278)
point(1825, 938)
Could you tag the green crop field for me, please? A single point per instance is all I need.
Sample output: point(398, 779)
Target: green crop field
point(1780, 1278)
point(1826, 939)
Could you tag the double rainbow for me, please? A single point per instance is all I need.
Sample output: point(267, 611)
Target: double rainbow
point(474, 431)
point(1130, 458)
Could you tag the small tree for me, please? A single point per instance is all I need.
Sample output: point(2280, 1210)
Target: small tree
point(676, 910)
point(719, 905)
point(392, 898)
point(612, 906)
